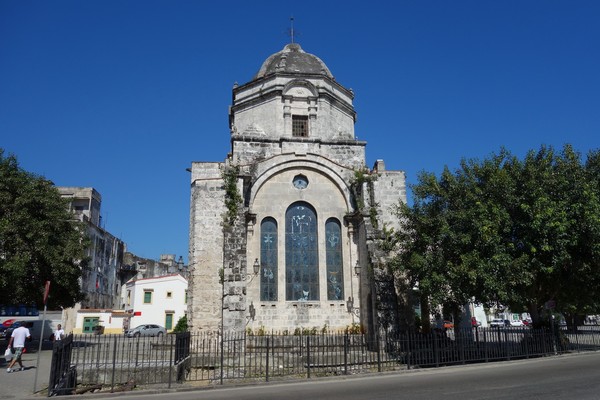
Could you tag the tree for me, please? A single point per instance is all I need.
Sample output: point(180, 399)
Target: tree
point(506, 231)
point(447, 237)
point(39, 240)
point(182, 325)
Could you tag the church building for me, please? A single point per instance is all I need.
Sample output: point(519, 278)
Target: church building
point(285, 232)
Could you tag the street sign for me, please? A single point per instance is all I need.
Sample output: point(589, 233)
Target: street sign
point(46, 291)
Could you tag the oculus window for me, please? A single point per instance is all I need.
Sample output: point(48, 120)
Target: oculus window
point(300, 182)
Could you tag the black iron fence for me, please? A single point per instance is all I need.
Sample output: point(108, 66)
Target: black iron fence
point(115, 362)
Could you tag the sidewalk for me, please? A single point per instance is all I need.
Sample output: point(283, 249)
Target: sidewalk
point(20, 384)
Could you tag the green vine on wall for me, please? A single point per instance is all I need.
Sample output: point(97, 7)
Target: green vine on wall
point(233, 198)
point(362, 176)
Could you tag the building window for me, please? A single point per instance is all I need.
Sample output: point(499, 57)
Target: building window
point(147, 296)
point(300, 125)
point(333, 252)
point(268, 260)
point(129, 297)
point(301, 253)
point(185, 298)
point(169, 320)
point(300, 182)
point(169, 295)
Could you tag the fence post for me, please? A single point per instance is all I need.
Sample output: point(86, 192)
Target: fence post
point(346, 353)
point(485, 345)
point(526, 341)
point(137, 351)
point(170, 360)
point(267, 363)
point(408, 348)
point(378, 344)
point(506, 348)
point(436, 350)
point(114, 365)
point(308, 356)
point(222, 355)
point(458, 337)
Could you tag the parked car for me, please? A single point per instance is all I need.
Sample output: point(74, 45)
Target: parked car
point(516, 322)
point(146, 330)
point(497, 322)
point(6, 334)
point(35, 328)
point(475, 322)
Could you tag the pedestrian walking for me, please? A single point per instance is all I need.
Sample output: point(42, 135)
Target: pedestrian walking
point(17, 341)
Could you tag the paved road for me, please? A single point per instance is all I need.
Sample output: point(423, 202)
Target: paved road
point(565, 377)
point(574, 376)
point(19, 385)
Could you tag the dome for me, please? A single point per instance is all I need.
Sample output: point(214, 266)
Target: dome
point(293, 60)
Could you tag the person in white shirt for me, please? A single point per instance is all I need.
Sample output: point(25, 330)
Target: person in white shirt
point(17, 340)
point(59, 333)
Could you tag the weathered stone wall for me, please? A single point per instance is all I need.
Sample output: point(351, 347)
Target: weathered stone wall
point(269, 158)
point(206, 247)
point(266, 105)
point(389, 189)
point(329, 198)
point(348, 153)
point(235, 272)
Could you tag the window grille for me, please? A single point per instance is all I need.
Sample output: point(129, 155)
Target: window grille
point(299, 126)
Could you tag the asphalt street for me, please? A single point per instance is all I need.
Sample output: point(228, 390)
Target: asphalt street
point(559, 377)
point(20, 384)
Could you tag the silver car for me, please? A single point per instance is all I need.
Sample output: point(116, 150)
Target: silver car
point(146, 330)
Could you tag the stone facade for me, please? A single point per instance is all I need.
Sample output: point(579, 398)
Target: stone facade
point(295, 201)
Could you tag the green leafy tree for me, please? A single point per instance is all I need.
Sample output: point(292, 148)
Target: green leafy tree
point(506, 231)
point(182, 325)
point(39, 240)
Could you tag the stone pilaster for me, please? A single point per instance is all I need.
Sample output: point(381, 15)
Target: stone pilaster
point(206, 247)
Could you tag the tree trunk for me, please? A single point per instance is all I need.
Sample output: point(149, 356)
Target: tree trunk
point(536, 318)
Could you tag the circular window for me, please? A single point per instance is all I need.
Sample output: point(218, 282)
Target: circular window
point(300, 182)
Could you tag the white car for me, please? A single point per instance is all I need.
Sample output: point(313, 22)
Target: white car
point(146, 330)
point(516, 322)
point(497, 322)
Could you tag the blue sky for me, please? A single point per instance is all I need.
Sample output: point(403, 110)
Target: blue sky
point(124, 95)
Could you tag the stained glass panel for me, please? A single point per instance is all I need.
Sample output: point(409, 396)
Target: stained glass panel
point(301, 253)
point(268, 260)
point(333, 252)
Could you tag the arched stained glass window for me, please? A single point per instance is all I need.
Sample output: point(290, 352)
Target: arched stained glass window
point(268, 260)
point(333, 252)
point(301, 253)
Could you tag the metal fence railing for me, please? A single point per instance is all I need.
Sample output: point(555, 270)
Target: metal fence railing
point(114, 361)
